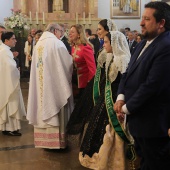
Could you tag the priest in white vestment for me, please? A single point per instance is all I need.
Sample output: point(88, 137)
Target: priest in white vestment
point(12, 108)
point(50, 100)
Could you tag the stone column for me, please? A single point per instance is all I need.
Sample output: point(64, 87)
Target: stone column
point(95, 12)
point(17, 4)
point(24, 6)
point(91, 6)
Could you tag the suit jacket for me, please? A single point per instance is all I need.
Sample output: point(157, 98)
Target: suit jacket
point(133, 45)
point(96, 44)
point(146, 86)
point(65, 41)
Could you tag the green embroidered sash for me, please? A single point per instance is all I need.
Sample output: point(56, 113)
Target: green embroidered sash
point(96, 89)
point(115, 123)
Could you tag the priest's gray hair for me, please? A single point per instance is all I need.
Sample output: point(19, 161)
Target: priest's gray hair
point(51, 27)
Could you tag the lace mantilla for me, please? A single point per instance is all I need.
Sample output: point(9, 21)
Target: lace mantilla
point(121, 55)
point(102, 58)
point(112, 26)
point(111, 71)
point(103, 54)
point(120, 49)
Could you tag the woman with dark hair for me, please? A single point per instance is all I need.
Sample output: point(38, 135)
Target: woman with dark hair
point(83, 56)
point(139, 38)
point(37, 37)
point(90, 119)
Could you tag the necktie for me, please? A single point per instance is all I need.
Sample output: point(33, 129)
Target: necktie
point(101, 43)
point(146, 45)
point(130, 44)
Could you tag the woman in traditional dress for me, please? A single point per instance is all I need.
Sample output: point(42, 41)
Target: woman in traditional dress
point(139, 38)
point(101, 147)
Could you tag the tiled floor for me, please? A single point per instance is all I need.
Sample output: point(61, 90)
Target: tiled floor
point(18, 153)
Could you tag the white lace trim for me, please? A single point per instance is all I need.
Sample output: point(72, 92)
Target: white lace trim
point(113, 71)
point(102, 58)
point(120, 50)
point(120, 56)
point(112, 26)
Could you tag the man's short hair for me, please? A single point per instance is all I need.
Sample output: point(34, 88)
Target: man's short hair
point(62, 26)
point(51, 27)
point(6, 36)
point(162, 11)
point(39, 31)
point(88, 31)
point(127, 28)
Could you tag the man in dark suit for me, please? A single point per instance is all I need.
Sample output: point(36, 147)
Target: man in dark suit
point(131, 41)
point(127, 30)
point(95, 41)
point(144, 90)
point(64, 38)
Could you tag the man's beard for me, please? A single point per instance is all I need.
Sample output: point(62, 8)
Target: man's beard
point(150, 35)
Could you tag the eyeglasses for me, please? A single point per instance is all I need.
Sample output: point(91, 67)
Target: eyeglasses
point(58, 29)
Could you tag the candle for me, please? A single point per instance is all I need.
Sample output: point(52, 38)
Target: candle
point(43, 18)
point(84, 21)
point(76, 18)
point(89, 18)
point(37, 18)
point(30, 18)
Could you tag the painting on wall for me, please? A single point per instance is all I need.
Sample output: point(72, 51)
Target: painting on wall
point(125, 8)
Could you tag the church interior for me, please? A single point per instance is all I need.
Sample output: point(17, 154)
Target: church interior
point(19, 153)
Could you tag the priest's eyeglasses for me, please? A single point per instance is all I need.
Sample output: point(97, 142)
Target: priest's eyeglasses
point(58, 29)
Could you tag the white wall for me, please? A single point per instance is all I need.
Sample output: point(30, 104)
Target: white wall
point(104, 12)
point(5, 9)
